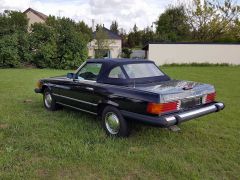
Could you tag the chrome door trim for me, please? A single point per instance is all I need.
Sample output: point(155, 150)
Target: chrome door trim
point(77, 108)
point(73, 99)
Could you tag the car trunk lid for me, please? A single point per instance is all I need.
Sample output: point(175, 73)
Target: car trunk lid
point(190, 93)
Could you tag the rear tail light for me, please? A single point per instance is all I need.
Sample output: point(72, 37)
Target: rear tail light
point(208, 98)
point(159, 108)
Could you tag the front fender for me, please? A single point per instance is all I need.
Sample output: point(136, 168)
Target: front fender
point(43, 87)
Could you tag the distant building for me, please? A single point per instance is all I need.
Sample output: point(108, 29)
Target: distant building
point(115, 41)
point(115, 45)
point(35, 16)
point(137, 54)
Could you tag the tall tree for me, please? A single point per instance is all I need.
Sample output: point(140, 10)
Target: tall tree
point(134, 37)
point(131, 40)
point(102, 42)
point(147, 35)
point(172, 25)
point(210, 20)
point(124, 37)
point(85, 30)
point(135, 28)
point(232, 34)
point(114, 27)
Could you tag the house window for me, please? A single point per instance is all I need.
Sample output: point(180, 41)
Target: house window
point(102, 53)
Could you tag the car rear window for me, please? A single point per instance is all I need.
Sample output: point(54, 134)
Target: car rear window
point(142, 70)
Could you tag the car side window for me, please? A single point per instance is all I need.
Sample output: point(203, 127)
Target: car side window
point(89, 72)
point(117, 73)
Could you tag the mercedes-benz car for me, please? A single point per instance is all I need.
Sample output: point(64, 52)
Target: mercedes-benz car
point(124, 90)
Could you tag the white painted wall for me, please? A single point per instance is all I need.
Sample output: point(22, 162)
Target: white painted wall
point(33, 18)
point(115, 48)
point(194, 53)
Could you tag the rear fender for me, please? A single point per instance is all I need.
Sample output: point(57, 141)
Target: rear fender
point(102, 104)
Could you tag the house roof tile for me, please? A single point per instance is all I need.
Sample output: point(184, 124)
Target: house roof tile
point(39, 14)
point(111, 35)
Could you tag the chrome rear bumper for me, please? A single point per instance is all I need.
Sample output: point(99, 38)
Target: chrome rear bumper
point(175, 118)
point(192, 114)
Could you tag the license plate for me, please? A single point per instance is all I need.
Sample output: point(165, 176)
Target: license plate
point(189, 103)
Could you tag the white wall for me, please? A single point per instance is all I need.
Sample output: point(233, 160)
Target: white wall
point(33, 18)
point(194, 53)
point(115, 48)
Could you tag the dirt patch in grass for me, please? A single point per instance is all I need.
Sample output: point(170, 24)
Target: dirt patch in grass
point(82, 171)
point(42, 173)
point(4, 126)
point(27, 101)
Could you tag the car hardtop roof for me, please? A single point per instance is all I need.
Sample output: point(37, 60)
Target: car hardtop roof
point(119, 61)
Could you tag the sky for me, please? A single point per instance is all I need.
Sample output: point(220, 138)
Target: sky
point(126, 12)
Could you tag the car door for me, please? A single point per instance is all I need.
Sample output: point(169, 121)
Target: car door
point(80, 92)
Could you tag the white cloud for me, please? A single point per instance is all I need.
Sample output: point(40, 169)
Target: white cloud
point(126, 12)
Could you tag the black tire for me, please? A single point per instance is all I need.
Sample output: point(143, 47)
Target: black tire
point(49, 105)
point(122, 129)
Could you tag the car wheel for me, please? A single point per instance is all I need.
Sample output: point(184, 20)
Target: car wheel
point(113, 122)
point(49, 101)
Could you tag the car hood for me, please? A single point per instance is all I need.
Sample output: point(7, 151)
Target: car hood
point(56, 78)
point(178, 89)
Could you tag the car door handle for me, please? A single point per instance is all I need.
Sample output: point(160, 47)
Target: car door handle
point(89, 88)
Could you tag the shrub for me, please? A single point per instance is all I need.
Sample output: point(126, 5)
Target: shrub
point(126, 52)
point(14, 46)
point(8, 51)
point(58, 44)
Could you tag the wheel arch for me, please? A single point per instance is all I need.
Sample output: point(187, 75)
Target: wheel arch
point(105, 103)
point(46, 86)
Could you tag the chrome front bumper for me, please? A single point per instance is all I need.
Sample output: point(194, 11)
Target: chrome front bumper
point(192, 114)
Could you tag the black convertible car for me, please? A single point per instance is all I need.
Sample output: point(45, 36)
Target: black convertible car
point(123, 90)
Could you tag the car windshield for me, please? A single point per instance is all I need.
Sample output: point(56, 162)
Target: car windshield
point(142, 70)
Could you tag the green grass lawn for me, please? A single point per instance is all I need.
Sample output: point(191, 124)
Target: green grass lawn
point(35, 143)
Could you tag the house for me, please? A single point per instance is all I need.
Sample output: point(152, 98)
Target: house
point(114, 49)
point(115, 42)
point(35, 16)
point(179, 53)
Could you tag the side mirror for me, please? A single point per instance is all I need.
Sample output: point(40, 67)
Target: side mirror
point(71, 75)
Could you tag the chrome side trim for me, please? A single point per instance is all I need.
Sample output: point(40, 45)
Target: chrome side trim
point(77, 108)
point(61, 87)
point(89, 88)
point(73, 99)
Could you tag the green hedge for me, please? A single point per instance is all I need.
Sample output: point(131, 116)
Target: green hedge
point(59, 43)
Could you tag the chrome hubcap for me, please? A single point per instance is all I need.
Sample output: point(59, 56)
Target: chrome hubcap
point(48, 99)
point(112, 123)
